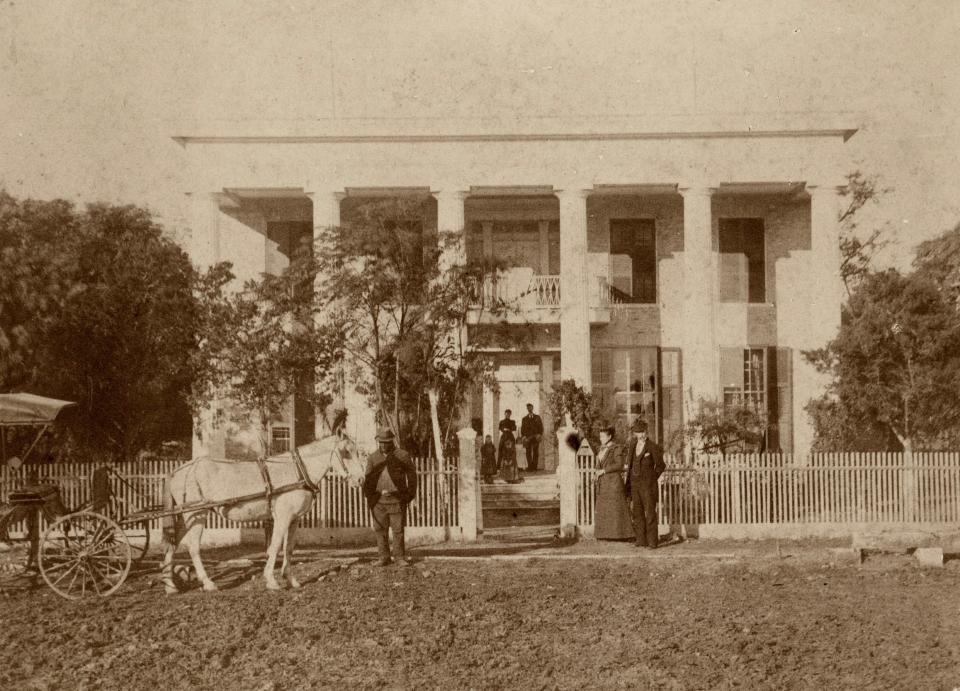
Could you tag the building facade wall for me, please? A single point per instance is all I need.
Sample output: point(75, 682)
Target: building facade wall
point(585, 170)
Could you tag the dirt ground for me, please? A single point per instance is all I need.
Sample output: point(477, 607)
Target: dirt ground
point(688, 616)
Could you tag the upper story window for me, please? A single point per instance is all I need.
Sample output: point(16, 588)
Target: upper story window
point(633, 260)
point(742, 260)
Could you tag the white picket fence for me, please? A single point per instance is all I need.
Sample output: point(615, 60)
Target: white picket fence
point(338, 504)
point(782, 489)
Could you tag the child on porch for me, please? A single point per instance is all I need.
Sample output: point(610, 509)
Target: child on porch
point(488, 460)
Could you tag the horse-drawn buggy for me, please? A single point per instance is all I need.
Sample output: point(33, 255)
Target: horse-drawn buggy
point(88, 551)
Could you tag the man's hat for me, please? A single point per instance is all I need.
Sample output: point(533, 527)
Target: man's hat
point(385, 434)
point(639, 426)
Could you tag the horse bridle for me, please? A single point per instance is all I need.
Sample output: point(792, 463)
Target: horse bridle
point(302, 468)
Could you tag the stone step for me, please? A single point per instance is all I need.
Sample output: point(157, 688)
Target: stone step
point(521, 503)
point(502, 518)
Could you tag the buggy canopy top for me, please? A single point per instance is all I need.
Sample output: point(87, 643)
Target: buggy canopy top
point(24, 409)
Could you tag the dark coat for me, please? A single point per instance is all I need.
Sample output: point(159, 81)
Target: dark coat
point(647, 463)
point(530, 425)
point(402, 472)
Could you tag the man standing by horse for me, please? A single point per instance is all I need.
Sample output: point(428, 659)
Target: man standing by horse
point(389, 485)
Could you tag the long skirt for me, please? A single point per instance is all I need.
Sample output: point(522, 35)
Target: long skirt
point(612, 518)
point(508, 461)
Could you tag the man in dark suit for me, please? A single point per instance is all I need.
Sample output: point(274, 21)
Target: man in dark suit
point(531, 429)
point(644, 469)
point(390, 483)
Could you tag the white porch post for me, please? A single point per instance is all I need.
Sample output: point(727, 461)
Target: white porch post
point(825, 257)
point(699, 355)
point(470, 507)
point(452, 247)
point(824, 297)
point(451, 234)
point(205, 252)
point(574, 294)
point(326, 214)
point(204, 229)
point(567, 479)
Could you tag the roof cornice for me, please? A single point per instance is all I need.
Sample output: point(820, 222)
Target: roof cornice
point(428, 130)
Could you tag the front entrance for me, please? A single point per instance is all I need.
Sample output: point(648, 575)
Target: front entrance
point(520, 384)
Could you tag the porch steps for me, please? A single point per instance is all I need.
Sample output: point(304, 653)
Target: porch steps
point(535, 501)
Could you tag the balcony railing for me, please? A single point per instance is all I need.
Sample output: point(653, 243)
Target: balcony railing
point(521, 289)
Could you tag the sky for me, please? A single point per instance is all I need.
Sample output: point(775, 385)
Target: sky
point(91, 91)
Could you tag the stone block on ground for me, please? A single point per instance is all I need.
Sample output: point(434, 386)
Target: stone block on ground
point(894, 540)
point(930, 556)
point(846, 555)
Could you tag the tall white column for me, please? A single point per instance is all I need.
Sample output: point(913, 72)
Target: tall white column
point(825, 201)
point(326, 211)
point(204, 250)
point(204, 229)
point(574, 293)
point(700, 355)
point(451, 234)
point(823, 299)
point(326, 214)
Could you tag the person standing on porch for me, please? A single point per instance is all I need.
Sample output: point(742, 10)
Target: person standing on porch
point(645, 465)
point(612, 519)
point(531, 429)
point(507, 450)
point(390, 484)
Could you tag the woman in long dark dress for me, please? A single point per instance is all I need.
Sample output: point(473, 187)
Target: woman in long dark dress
point(507, 451)
point(612, 517)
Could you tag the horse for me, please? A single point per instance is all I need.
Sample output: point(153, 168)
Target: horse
point(234, 486)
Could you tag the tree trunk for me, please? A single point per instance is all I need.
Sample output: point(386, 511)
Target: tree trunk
point(440, 464)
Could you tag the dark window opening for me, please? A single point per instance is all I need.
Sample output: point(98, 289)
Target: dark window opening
point(633, 260)
point(742, 260)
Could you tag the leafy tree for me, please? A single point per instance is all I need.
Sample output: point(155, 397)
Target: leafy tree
point(402, 321)
point(857, 254)
point(259, 346)
point(938, 260)
point(720, 428)
point(572, 405)
point(96, 306)
point(895, 364)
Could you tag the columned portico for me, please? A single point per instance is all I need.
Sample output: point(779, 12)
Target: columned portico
point(699, 345)
point(574, 293)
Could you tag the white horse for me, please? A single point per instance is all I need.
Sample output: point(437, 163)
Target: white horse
point(206, 481)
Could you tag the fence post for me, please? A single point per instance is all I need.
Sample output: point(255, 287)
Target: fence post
point(567, 475)
point(468, 497)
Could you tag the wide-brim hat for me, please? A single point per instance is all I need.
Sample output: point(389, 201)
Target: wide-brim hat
point(639, 426)
point(385, 434)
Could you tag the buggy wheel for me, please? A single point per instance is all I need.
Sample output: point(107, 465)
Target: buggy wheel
point(83, 555)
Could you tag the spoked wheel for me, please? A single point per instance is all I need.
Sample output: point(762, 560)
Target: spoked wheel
point(84, 554)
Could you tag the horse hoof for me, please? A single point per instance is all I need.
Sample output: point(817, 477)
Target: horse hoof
point(295, 584)
point(273, 585)
point(210, 586)
point(171, 590)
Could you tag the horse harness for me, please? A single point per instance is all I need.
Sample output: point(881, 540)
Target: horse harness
point(303, 478)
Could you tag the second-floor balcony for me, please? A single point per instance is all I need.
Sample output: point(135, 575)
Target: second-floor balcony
point(518, 295)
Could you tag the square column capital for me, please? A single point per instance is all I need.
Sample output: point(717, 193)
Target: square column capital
point(696, 190)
